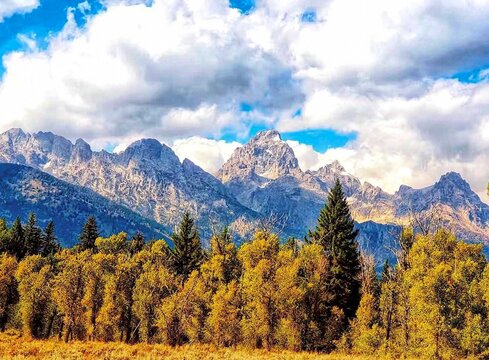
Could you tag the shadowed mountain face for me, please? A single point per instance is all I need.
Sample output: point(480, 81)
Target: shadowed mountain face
point(261, 179)
point(25, 189)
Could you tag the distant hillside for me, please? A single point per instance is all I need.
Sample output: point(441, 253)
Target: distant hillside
point(24, 190)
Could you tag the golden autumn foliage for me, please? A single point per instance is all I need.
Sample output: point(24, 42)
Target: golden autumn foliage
point(261, 300)
point(432, 305)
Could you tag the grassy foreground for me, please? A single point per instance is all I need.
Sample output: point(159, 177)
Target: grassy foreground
point(14, 346)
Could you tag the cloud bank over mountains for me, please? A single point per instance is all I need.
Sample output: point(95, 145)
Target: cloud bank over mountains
point(410, 79)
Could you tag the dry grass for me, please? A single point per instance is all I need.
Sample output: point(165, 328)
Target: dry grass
point(14, 346)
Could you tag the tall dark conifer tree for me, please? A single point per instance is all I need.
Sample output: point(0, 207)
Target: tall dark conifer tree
point(32, 236)
point(17, 245)
point(336, 232)
point(89, 234)
point(187, 253)
point(50, 244)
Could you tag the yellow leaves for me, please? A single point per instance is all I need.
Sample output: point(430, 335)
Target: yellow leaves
point(153, 285)
point(112, 245)
point(69, 287)
point(474, 335)
point(225, 316)
point(263, 246)
point(34, 277)
point(288, 334)
point(261, 295)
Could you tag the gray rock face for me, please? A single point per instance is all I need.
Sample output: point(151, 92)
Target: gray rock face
point(262, 179)
point(25, 189)
point(266, 156)
point(296, 197)
point(147, 177)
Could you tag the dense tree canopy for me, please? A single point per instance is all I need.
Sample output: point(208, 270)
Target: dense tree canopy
point(434, 302)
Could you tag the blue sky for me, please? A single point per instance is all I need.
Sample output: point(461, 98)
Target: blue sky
point(396, 91)
point(47, 19)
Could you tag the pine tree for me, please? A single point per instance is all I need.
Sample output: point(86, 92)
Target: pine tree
point(187, 252)
point(89, 234)
point(336, 233)
point(17, 246)
point(32, 236)
point(50, 245)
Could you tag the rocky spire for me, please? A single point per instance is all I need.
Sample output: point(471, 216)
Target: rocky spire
point(265, 155)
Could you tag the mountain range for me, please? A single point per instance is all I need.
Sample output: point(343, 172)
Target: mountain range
point(261, 180)
point(24, 190)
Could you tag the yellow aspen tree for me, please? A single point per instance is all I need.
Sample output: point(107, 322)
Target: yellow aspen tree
point(153, 285)
point(288, 298)
point(313, 273)
point(96, 272)
point(225, 316)
point(259, 259)
point(68, 292)
point(35, 276)
point(115, 318)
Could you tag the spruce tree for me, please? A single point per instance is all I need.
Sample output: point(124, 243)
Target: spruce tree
point(187, 253)
point(89, 234)
point(17, 246)
point(336, 233)
point(49, 242)
point(32, 236)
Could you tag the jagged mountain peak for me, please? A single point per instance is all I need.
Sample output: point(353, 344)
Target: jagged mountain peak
point(15, 132)
point(149, 149)
point(265, 156)
point(334, 168)
point(82, 151)
point(329, 173)
point(454, 178)
point(144, 145)
point(453, 188)
point(266, 135)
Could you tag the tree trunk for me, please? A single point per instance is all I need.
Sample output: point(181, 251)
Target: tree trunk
point(68, 334)
point(50, 325)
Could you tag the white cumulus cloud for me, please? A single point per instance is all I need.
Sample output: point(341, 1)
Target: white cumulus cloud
point(176, 69)
point(10, 7)
point(206, 153)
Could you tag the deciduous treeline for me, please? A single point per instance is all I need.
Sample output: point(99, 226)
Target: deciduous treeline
point(319, 294)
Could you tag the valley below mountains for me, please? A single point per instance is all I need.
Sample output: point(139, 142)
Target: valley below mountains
point(261, 181)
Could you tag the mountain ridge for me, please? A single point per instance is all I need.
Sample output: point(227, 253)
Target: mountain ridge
point(261, 178)
point(25, 189)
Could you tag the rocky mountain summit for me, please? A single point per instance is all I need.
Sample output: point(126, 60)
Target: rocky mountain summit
point(298, 196)
point(261, 179)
